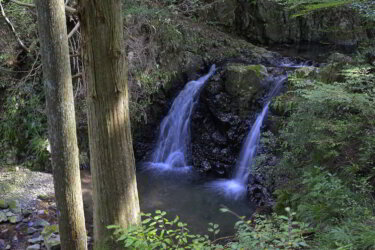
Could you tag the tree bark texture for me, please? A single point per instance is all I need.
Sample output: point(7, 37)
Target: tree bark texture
point(61, 122)
point(112, 159)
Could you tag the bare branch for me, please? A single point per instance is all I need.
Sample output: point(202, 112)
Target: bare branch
point(71, 33)
point(68, 9)
point(13, 29)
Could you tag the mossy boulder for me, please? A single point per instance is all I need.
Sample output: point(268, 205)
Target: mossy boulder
point(15, 206)
point(3, 204)
point(245, 80)
point(48, 230)
point(246, 84)
point(51, 237)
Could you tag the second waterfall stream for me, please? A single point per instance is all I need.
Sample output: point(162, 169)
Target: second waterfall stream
point(236, 186)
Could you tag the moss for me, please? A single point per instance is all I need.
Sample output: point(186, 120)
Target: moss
point(48, 230)
point(259, 70)
point(3, 204)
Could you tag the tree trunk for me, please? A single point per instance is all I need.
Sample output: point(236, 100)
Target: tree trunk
point(61, 122)
point(112, 160)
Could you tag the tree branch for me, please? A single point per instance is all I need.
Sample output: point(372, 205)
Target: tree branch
point(71, 33)
point(68, 9)
point(13, 29)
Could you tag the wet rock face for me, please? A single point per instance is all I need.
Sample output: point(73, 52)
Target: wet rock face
point(268, 22)
point(224, 115)
point(257, 192)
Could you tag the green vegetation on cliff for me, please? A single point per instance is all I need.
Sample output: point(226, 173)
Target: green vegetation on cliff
point(327, 149)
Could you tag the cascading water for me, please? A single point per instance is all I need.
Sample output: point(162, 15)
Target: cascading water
point(174, 136)
point(236, 187)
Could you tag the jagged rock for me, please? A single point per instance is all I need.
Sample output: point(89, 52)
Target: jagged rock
point(52, 242)
point(8, 247)
point(2, 244)
point(257, 193)
point(9, 214)
point(3, 217)
point(3, 204)
point(15, 206)
point(223, 116)
point(31, 230)
point(36, 240)
point(33, 247)
point(26, 212)
point(40, 223)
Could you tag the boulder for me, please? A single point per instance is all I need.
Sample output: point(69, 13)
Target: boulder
point(244, 80)
point(51, 237)
point(33, 247)
point(52, 242)
point(15, 219)
point(3, 204)
point(3, 217)
point(15, 206)
point(36, 240)
point(51, 229)
point(40, 223)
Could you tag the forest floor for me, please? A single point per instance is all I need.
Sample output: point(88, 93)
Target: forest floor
point(33, 192)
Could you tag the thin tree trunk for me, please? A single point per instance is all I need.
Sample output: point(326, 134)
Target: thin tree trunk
point(115, 192)
point(61, 122)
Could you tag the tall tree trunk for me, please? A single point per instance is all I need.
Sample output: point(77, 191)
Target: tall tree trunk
point(112, 159)
point(61, 122)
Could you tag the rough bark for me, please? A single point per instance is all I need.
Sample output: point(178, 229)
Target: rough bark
point(112, 160)
point(61, 122)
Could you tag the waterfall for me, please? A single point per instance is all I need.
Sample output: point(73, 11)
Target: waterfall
point(236, 186)
point(248, 150)
point(174, 135)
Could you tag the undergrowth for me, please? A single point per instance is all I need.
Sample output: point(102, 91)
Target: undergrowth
point(326, 147)
point(259, 232)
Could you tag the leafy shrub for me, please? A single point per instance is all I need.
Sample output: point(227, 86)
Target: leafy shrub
point(157, 232)
point(23, 126)
point(275, 232)
point(330, 126)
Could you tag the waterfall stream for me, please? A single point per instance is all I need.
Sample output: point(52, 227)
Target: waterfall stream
point(236, 186)
point(174, 136)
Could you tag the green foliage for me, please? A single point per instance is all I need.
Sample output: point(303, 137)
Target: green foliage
point(327, 146)
point(23, 125)
point(304, 7)
point(275, 232)
point(157, 232)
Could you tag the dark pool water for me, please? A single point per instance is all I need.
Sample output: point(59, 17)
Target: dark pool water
point(187, 195)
